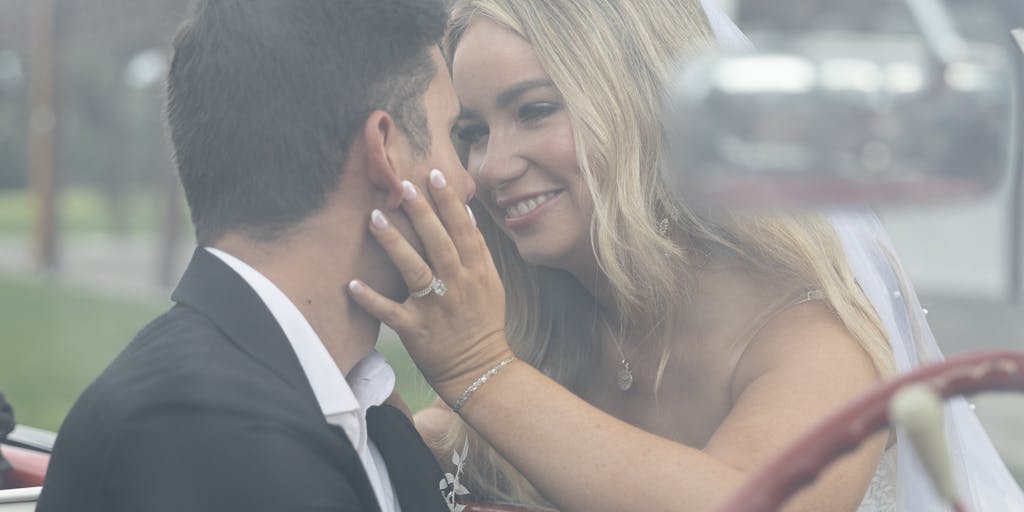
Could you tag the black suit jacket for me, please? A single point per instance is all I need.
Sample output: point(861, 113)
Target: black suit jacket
point(208, 409)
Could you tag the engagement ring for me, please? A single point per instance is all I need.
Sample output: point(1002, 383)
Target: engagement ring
point(436, 286)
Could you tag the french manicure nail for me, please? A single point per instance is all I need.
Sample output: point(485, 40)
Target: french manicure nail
point(437, 179)
point(408, 191)
point(379, 219)
point(471, 216)
point(355, 286)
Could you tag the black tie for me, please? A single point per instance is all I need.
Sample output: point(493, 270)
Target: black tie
point(413, 471)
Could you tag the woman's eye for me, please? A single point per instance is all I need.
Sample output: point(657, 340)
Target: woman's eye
point(470, 134)
point(537, 111)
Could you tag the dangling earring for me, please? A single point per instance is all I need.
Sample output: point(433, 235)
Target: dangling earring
point(671, 214)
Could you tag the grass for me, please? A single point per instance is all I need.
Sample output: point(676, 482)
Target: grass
point(82, 211)
point(57, 339)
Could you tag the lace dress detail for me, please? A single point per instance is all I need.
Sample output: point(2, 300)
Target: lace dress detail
point(881, 495)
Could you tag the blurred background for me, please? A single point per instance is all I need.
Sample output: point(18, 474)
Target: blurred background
point(94, 231)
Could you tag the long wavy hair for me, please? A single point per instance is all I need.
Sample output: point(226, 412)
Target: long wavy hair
point(610, 61)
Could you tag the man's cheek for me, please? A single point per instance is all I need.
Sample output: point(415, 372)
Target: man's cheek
point(404, 226)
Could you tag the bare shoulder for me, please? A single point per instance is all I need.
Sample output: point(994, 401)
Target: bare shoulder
point(810, 340)
point(800, 367)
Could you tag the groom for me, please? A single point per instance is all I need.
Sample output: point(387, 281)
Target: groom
point(260, 390)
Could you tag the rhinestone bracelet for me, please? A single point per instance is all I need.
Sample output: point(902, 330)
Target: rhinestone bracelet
point(479, 382)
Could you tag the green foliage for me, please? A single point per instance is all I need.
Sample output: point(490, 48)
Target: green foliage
point(13, 136)
point(414, 389)
point(108, 133)
point(58, 338)
point(15, 212)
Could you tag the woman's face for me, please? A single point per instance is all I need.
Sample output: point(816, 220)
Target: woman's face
point(520, 147)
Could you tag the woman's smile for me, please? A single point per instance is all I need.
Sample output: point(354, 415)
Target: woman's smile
point(521, 211)
point(519, 140)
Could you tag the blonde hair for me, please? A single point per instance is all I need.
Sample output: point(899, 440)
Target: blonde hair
point(610, 59)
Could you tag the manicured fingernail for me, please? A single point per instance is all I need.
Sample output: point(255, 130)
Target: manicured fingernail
point(408, 191)
point(471, 216)
point(379, 219)
point(356, 286)
point(437, 179)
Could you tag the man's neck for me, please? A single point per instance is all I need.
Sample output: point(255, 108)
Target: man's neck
point(313, 277)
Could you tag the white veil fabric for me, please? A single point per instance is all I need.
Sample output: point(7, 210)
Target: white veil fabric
point(983, 481)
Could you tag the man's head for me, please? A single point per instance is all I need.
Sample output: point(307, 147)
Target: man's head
point(265, 98)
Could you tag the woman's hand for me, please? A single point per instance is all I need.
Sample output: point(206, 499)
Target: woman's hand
point(456, 337)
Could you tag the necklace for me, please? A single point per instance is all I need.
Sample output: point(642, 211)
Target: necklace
point(624, 376)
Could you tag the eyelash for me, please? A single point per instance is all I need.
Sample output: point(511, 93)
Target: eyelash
point(532, 112)
point(528, 114)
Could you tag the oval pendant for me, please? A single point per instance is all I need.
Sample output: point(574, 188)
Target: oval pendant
point(625, 379)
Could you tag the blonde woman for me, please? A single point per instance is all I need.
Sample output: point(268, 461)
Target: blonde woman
point(633, 353)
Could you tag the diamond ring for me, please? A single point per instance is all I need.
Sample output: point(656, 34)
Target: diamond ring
point(436, 286)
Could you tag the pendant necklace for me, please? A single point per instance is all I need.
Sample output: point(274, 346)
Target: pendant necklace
point(624, 376)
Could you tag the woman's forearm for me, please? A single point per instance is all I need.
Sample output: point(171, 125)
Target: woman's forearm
point(584, 459)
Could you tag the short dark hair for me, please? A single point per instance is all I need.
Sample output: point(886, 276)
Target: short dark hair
point(264, 98)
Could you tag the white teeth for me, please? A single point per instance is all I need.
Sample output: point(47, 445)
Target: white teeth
point(523, 207)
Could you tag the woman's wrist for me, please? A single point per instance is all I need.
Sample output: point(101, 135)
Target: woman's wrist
point(480, 381)
point(460, 390)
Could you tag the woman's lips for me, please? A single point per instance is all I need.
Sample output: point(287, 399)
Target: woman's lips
point(524, 211)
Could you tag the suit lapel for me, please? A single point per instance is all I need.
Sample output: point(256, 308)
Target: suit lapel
point(356, 474)
point(414, 473)
point(218, 292)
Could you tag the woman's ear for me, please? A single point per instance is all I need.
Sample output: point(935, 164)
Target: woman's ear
point(385, 146)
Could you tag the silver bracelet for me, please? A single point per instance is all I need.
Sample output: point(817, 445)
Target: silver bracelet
point(480, 382)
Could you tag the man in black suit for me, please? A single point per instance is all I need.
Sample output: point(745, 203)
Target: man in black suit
point(260, 389)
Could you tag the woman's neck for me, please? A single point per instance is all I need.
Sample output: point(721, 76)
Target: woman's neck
point(609, 321)
point(588, 273)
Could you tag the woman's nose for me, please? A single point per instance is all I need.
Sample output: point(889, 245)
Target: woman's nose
point(499, 164)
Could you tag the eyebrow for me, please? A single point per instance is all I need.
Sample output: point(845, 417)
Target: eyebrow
point(510, 94)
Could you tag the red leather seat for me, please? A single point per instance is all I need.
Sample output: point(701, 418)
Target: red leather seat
point(29, 467)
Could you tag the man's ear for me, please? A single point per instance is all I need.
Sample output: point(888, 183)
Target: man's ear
point(385, 146)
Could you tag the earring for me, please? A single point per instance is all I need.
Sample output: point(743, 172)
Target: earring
point(663, 226)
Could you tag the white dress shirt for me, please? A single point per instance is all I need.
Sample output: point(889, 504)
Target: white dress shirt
point(343, 399)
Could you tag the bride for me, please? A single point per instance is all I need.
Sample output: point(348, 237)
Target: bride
point(652, 356)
